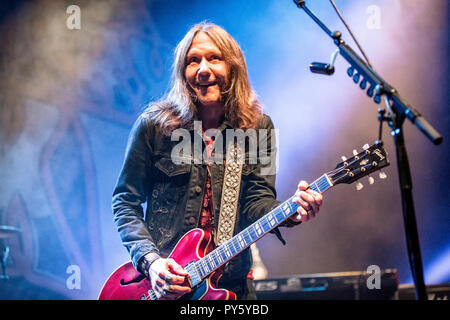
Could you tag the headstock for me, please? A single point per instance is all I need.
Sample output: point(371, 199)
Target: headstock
point(371, 159)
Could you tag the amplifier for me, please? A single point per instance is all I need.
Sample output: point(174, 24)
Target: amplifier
point(435, 292)
point(329, 286)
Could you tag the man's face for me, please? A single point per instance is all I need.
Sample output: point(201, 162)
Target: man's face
point(206, 70)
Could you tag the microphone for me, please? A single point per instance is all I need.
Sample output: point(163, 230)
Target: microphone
point(324, 68)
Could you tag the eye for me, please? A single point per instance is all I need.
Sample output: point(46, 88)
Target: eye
point(216, 57)
point(193, 60)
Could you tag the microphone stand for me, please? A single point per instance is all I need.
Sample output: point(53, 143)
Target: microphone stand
point(399, 111)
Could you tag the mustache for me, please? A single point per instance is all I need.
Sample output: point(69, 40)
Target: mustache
point(225, 88)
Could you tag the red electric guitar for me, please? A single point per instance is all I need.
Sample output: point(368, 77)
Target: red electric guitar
point(196, 253)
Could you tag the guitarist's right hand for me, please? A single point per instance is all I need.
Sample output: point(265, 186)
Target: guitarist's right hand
point(168, 279)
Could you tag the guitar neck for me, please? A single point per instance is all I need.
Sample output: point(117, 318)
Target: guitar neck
point(231, 248)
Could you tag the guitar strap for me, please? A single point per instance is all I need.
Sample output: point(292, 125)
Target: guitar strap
point(230, 195)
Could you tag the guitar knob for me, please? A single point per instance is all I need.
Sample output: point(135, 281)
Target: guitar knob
point(371, 180)
point(382, 175)
point(359, 186)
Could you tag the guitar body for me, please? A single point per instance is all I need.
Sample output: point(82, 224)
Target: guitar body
point(126, 283)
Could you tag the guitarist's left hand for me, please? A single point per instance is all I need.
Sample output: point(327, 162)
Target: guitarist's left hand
point(309, 201)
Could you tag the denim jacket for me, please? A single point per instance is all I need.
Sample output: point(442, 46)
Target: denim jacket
point(173, 194)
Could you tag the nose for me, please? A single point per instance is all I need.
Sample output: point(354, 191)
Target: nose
point(204, 70)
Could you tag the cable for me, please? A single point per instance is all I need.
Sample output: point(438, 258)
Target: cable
point(351, 33)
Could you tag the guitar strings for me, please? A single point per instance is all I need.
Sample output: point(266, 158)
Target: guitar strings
point(321, 184)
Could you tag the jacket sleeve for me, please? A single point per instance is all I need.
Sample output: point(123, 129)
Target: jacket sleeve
point(259, 194)
point(131, 191)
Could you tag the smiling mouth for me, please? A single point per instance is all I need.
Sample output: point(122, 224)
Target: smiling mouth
point(205, 86)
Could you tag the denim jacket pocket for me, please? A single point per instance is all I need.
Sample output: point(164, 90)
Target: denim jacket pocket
point(170, 168)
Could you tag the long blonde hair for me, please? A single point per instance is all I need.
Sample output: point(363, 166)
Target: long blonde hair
point(242, 108)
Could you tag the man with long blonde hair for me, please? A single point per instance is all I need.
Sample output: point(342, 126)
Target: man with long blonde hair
point(210, 86)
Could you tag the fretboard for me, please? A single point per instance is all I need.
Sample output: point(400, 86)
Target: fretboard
point(228, 250)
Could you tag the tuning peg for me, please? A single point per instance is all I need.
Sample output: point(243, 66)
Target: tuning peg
point(359, 186)
point(344, 158)
point(366, 146)
point(382, 175)
point(371, 180)
point(355, 152)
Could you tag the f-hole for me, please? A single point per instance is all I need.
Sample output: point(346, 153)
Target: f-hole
point(135, 280)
